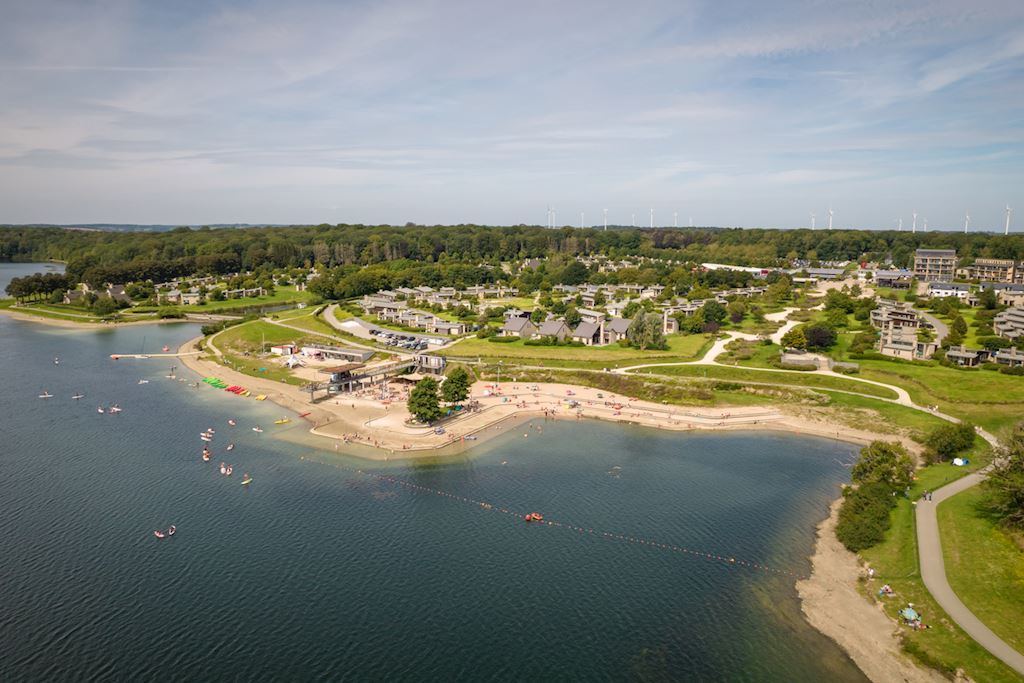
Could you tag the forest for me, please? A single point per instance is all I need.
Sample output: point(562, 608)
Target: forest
point(461, 250)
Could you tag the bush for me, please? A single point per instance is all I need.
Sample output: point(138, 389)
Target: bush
point(864, 516)
point(502, 340)
point(1007, 370)
point(166, 313)
point(947, 441)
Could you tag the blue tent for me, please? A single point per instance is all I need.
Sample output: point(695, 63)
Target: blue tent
point(910, 614)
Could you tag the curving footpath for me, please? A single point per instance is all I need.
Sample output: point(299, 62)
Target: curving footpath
point(929, 544)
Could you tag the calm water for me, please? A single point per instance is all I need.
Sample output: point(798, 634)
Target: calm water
point(318, 572)
point(9, 271)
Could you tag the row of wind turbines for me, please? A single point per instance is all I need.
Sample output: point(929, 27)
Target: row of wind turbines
point(899, 221)
point(675, 218)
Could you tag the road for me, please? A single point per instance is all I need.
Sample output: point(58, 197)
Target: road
point(941, 328)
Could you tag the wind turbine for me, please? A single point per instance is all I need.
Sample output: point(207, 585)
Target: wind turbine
point(675, 219)
point(606, 219)
point(813, 218)
point(830, 214)
point(899, 225)
point(926, 224)
point(553, 219)
point(1006, 231)
point(967, 222)
point(691, 221)
point(632, 220)
point(913, 228)
point(652, 218)
point(549, 215)
point(581, 220)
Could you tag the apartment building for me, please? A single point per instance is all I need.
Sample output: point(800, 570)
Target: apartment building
point(935, 265)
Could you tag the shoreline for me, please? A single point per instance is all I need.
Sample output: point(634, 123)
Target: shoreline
point(831, 603)
point(829, 599)
point(374, 424)
point(72, 324)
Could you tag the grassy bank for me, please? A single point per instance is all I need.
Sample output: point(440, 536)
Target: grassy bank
point(797, 379)
point(983, 564)
point(681, 348)
point(944, 646)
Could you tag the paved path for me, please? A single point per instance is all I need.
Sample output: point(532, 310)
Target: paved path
point(941, 328)
point(933, 573)
point(930, 559)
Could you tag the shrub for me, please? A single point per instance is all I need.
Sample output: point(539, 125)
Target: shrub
point(502, 340)
point(165, 313)
point(864, 516)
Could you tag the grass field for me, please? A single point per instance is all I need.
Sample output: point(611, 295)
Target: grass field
point(797, 379)
point(990, 399)
point(681, 348)
point(944, 646)
point(983, 564)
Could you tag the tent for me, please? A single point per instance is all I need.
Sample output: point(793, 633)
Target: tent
point(910, 614)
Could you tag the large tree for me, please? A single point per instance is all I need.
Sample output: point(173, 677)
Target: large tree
point(423, 402)
point(886, 463)
point(1004, 486)
point(456, 386)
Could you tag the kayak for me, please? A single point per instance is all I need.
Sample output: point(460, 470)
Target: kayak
point(246, 482)
point(282, 421)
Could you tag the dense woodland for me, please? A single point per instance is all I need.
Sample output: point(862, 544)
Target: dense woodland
point(457, 255)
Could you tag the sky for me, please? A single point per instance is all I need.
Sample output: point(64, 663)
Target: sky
point(728, 113)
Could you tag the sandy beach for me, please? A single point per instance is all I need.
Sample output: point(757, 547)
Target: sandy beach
point(832, 604)
point(384, 425)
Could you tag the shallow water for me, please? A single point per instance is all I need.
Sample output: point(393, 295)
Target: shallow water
point(318, 571)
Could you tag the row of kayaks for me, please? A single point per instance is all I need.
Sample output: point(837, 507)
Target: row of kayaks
point(234, 388)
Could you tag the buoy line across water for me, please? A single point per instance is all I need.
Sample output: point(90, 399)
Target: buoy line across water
point(607, 535)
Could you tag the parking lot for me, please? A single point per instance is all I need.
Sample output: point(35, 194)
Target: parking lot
point(403, 341)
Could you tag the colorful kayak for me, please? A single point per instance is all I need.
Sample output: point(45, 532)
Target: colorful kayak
point(282, 421)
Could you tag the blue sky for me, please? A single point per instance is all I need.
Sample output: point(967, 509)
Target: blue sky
point(732, 113)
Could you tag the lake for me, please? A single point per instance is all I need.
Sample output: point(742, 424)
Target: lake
point(328, 567)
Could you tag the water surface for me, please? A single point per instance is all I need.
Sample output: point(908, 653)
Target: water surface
point(319, 572)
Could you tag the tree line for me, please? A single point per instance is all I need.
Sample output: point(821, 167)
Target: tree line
point(161, 255)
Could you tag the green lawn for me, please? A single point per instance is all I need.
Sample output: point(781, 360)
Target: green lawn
point(799, 379)
point(890, 417)
point(985, 397)
point(248, 336)
point(983, 564)
point(681, 348)
point(944, 646)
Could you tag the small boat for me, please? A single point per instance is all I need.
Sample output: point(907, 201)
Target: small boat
point(143, 381)
point(45, 394)
point(166, 349)
point(305, 414)
point(56, 361)
point(223, 468)
point(78, 396)
point(246, 480)
point(229, 470)
point(205, 438)
point(206, 455)
point(232, 423)
point(257, 429)
point(171, 530)
point(211, 430)
point(230, 447)
point(282, 421)
point(534, 517)
point(100, 410)
point(115, 408)
point(261, 397)
point(159, 534)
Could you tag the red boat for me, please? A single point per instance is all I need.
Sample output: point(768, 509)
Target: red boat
point(534, 517)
